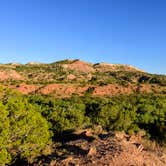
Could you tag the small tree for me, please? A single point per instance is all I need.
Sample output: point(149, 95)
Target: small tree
point(24, 132)
point(29, 131)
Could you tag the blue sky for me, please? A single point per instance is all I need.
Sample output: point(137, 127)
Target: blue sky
point(115, 31)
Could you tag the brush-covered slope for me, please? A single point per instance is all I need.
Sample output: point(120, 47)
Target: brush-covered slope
point(68, 77)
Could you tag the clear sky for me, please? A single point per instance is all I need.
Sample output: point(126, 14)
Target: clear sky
point(116, 31)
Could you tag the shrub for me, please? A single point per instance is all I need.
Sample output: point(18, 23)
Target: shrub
point(63, 114)
point(5, 157)
point(23, 131)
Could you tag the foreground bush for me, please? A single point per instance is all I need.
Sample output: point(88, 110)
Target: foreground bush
point(23, 131)
point(4, 135)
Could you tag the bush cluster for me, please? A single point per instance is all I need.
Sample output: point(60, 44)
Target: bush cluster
point(123, 113)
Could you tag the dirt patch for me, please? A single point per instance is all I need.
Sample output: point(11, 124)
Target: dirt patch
point(63, 90)
point(80, 66)
point(66, 90)
point(113, 89)
point(25, 88)
point(102, 149)
point(57, 89)
point(10, 74)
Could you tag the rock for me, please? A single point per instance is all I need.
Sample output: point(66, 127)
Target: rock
point(53, 163)
point(71, 77)
point(139, 147)
point(120, 135)
point(92, 151)
point(87, 132)
point(67, 160)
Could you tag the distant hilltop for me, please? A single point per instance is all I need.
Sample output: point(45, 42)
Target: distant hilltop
point(80, 65)
point(77, 64)
point(33, 63)
point(76, 77)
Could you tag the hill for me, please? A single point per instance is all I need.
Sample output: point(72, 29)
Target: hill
point(67, 77)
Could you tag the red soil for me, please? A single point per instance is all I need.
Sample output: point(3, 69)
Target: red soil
point(62, 90)
point(25, 88)
point(11, 74)
point(80, 66)
point(66, 90)
point(112, 89)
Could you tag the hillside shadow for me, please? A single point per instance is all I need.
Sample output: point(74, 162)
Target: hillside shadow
point(68, 136)
point(20, 162)
point(73, 149)
point(66, 148)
